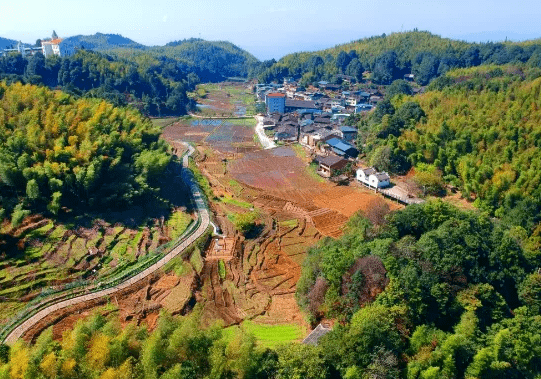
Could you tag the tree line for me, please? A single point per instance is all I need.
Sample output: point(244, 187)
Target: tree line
point(476, 129)
point(57, 151)
point(389, 57)
point(211, 61)
point(157, 88)
point(427, 292)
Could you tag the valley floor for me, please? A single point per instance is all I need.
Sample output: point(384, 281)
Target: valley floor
point(240, 279)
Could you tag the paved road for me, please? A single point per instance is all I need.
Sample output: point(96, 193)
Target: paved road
point(205, 219)
point(265, 141)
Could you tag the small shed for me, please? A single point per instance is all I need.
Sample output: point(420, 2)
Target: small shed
point(316, 334)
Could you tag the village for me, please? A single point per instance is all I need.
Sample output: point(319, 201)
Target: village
point(316, 118)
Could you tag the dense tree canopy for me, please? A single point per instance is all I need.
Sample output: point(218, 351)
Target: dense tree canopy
point(430, 292)
point(56, 151)
point(210, 60)
point(389, 57)
point(155, 86)
point(477, 128)
point(456, 284)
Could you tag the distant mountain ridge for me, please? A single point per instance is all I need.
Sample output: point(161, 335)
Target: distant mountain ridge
point(389, 57)
point(210, 60)
point(100, 41)
point(6, 43)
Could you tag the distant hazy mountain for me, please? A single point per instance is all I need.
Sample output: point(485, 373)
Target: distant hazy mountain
point(100, 41)
point(5, 42)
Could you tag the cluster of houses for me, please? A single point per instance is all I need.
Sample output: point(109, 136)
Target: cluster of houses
point(315, 118)
point(49, 47)
point(289, 96)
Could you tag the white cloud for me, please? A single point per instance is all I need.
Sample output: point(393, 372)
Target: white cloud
point(164, 18)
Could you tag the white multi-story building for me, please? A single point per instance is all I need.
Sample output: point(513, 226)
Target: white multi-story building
point(56, 46)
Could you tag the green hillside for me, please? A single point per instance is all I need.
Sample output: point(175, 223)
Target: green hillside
point(155, 87)
point(100, 41)
point(59, 152)
point(6, 43)
point(391, 56)
point(477, 128)
point(210, 60)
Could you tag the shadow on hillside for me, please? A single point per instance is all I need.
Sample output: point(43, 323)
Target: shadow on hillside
point(173, 194)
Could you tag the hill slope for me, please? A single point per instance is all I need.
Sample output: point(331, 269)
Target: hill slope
point(390, 56)
point(100, 41)
point(6, 42)
point(210, 60)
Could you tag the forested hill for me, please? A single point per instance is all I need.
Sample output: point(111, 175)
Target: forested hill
point(100, 41)
point(210, 60)
point(157, 87)
point(391, 56)
point(83, 154)
point(429, 292)
point(6, 43)
point(478, 129)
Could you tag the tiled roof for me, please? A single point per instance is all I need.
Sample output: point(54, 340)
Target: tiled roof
point(276, 94)
point(53, 41)
point(368, 171)
point(300, 103)
point(330, 160)
point(316, 334)
point(382, 176)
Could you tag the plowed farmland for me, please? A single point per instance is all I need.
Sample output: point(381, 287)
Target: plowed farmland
point(226, 136)
point(247, 276)
point(280, 175)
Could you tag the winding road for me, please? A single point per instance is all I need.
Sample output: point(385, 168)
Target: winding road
point(204, 216)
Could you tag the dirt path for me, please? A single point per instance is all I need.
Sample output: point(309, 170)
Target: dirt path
point(205, 220)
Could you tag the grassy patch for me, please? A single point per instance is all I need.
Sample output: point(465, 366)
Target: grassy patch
point(235, 186)
point(239, 203)
point(299, 150)
point(290, 223)
point(164, 122)
point(196, 260)
point(268, 335)
point(244, 222)
point(203, 182)
point(179, 266)
point(311, 170)
point(177, 224)
point(250, 121)
point(41, 232)
point(221, 269)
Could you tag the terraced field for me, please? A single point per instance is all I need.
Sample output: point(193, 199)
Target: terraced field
point(283, 183)
point(49, 254)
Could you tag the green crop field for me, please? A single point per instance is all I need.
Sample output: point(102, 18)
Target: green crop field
point(268, 335)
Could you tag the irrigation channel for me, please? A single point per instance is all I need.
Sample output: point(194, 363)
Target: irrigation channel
point(19, 327)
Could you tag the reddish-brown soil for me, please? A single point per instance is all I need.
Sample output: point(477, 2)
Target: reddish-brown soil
point(260, 272)
point(259, 281)
point(285, 185)
point(221, 135)
point(139, 303)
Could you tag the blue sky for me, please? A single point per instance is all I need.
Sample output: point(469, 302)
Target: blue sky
point(270, 29)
